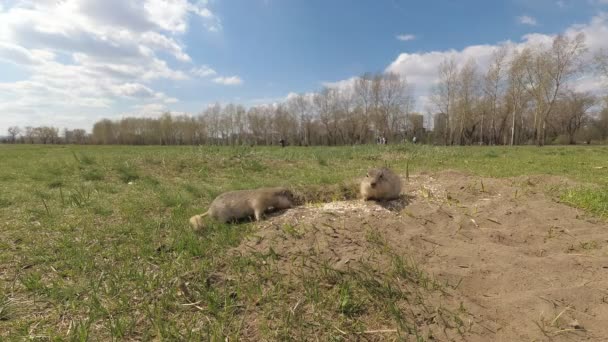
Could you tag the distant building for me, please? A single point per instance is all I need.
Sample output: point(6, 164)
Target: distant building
point(440, 128)
point(416, 124)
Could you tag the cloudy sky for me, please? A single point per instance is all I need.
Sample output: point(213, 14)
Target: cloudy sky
point(69, 63)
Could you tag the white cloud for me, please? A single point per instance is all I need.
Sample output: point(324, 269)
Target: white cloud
point(133, 90)
point(158, 41)
point(231, 80)
point(148, 110)
point(405, 37)
point(18, 55)
point(91, 56)
point(527, 20)
point(203, 71)
point(172, 15)
point(421, 68)
point(343, 84)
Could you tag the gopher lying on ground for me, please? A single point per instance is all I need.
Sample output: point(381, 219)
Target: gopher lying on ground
point(236, 205)
point(381, 185)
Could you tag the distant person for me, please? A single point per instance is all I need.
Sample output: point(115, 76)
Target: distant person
point(282, 142)
point(414, 139)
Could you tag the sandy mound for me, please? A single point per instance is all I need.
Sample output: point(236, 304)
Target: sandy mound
point(524, 266)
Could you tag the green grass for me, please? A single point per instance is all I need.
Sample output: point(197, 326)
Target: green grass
point(593, 200)
point(94, 240)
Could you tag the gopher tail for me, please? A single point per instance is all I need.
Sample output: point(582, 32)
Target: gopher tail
point(196, 221)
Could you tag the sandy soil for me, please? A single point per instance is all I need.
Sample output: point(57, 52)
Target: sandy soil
point(525, 267)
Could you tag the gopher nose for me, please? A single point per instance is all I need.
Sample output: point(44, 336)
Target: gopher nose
point(373, 185)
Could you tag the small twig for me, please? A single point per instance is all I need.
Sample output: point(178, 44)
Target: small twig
point(560, 314)
point(293, 311)
point(340, 331)
point(488, 329)
point(69, 328)
point(565, 330)
point(430, 241)
point(46, 207)
point(192, 304)
point(548, 301)
point(384, 331)
point(493, 220)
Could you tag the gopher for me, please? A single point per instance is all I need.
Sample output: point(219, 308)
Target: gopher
point(380, 184)
point(236, 205)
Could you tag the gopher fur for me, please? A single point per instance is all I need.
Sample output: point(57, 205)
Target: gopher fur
point(381, 185)
point(236, 205)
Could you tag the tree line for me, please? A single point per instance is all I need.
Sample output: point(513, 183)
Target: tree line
point(524, 96)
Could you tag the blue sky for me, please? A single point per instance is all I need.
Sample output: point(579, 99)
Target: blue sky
point(72, 62)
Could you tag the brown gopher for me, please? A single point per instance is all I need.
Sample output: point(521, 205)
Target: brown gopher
point(380, 184)
point(235, 205)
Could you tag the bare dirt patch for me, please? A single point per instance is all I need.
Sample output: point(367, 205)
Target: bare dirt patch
point(505, 257)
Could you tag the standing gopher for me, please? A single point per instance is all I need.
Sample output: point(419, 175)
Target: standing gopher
point(380, 184)
point(235, 205)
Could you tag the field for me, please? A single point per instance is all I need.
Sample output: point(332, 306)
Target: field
point(487, 243)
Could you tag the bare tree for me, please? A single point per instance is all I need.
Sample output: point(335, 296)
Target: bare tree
point(14, 131)
point(325, 104)
point(547, 71)
point(365, 101)
point(301, 106)
point(573, 113)
point(517, 94)
point(444, 95)
point(467, 100)
point(29, 133)
point(104, 132)
point(493, 89)
point(285, 125)
point(601, 124)
point(601, 59)
point(79, 135)
point(395, 103)
point(258, 119)
point(47, 134)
